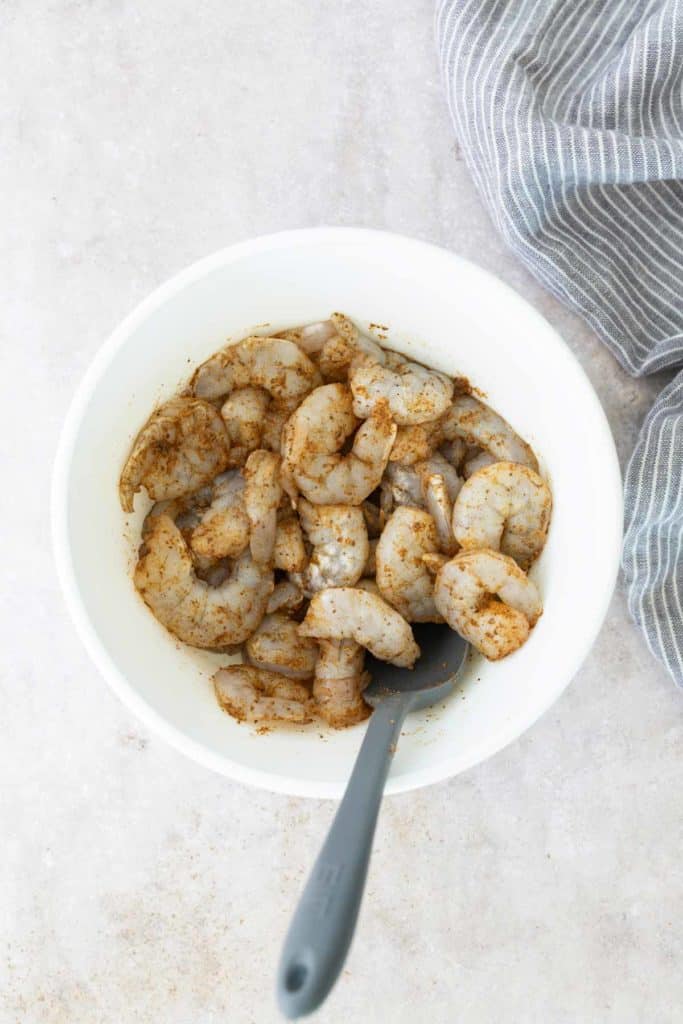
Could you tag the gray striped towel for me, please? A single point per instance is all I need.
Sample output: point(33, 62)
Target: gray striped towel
point(570, 116)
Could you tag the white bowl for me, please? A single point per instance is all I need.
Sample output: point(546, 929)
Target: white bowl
point(439, 309)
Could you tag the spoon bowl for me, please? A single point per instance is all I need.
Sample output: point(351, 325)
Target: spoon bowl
point(442, 655)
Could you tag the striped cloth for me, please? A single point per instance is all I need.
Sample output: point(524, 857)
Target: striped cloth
point(570, 117)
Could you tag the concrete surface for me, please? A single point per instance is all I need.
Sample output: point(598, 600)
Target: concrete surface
point(544, 886)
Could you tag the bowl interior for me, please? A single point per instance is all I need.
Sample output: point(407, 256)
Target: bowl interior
point(436, 308)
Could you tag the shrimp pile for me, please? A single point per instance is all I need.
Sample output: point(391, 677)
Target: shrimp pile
point(313, 494)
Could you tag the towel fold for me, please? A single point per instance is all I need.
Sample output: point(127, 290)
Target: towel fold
point(570, 117)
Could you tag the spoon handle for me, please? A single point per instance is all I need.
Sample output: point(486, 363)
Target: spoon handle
point(322, 928)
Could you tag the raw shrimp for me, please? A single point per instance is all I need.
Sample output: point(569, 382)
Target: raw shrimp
point(223, 529)
point(275, 364)
point(437, 463)
point(289, 552)
point(341, 613)
point(313, 437)
point(323, 420)
point(440, 507)
point(404, 581)
point(478, 461)
point(339, 354)
point(243, 413)
point(339, 681)
point(401, 485)
point(416, 442)
point(287, 596)
point(339, 538)
point(489, 600)
point(505, 507)
point(253, 695)
point(182, 446)
point(262, 494)
point(434, 560)
point(312, 338)
point(406, 484)
point(190, 608)
point(414, 393)
point(477, 424)
point(369, 584)
point(276, 645)
point(274, 420)
point(440, 485)
point(186, 512)
point(342, 346)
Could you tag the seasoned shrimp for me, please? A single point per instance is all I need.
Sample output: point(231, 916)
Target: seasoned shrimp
point(313, 493)
point(274, 419)
point(478, 461)
point(339, 353)
point(489, 600)
point(341, 346)
point(350, 613)
point(186, 512)
point(182, 446)
point(434, 560)
point(262, 494)
point(436, 463)
point(401, 485)
point(289, 552)
point(404, 581)
point(477, 424)
point(313, 437)
point(276, 645)
point(369, 584)
point(406, 484)
point(253, 695)
point(338, 683)
point(414, 393)
point(323, 420)
point(274, 364)
point(312, 337)
point(440, 507)
point(243, 413)
point(339, 538)
point(287, 596)
point(440, 486)
point(189, 607)
point(223, 529)
point(416, 442)
point(505, 507)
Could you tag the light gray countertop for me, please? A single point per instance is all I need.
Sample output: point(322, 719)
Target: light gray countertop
point(543, 886)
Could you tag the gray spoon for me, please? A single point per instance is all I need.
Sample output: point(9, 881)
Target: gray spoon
point(322, 928)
